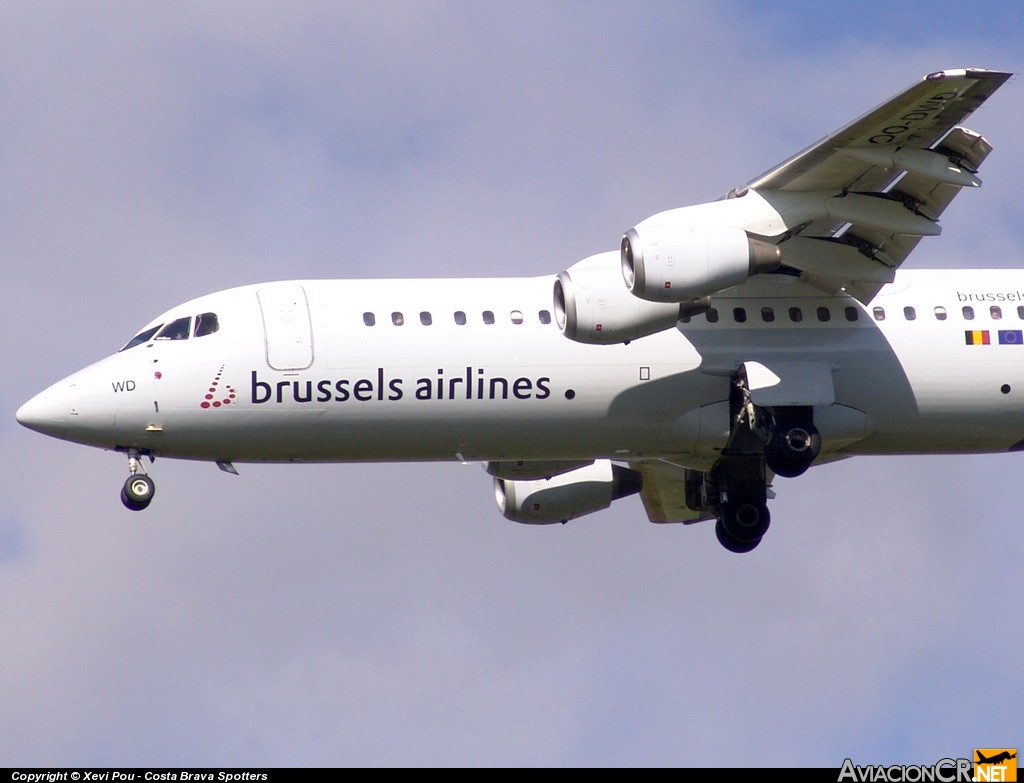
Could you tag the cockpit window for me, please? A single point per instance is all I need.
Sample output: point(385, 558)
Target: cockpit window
point(142, 337)
point(176, 330)
point(206, 323)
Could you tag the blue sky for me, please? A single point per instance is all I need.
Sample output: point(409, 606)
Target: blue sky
point(387, 614)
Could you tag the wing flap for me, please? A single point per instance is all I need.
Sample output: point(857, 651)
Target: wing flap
point(664, 493)
point(930, 195)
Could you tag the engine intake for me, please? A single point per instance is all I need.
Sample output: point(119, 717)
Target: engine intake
point(592, 306)
point(566, 496)
point(684, 263)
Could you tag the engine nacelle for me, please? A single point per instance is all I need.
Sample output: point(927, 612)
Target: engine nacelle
point(566, 496)
point(592, 306)
point(534, 468)
point(683, 263)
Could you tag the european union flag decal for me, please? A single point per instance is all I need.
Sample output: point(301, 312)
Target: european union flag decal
point(1011, 337)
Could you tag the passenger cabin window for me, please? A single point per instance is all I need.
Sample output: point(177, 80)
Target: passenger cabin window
point(852, 313)
point(176, 330)
point(516, 316)
point(968, 312)
point(712, 316)
point(1020, 312)
point(767, 315)
point(739, 315)
point(488, 317)
point(995, 312)
point(397, 318)
point(369, 319)
point(878, 313)
point(824, 314)
point(796, 315)
point(545, 317)
point(426, 319)
point(142, 337)
point(460, 318)
point(206, 323)
point(909, 313)
point(940, 313)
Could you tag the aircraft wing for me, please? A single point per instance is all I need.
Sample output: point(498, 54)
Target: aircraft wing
point(857, 202)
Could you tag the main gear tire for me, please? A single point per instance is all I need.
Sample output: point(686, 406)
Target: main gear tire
point(730, 543)
point(745, 519)
point(792, 448)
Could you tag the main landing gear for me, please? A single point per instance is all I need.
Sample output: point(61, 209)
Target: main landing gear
point(794, 443)
point(736, 490)
point(138, 490)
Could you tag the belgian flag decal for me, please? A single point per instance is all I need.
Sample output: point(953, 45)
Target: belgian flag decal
point(977, 337)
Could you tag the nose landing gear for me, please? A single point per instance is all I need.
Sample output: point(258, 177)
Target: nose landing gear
point(138, 490)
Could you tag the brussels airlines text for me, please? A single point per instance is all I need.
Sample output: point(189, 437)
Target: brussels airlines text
point(470, 384)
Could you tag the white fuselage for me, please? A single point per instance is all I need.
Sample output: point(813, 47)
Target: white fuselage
point(476, 370)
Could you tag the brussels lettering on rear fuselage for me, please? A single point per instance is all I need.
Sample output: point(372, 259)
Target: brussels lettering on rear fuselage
point(473, 384)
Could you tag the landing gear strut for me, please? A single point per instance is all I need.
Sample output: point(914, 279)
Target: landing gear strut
point(736, 488)
point(138, 490)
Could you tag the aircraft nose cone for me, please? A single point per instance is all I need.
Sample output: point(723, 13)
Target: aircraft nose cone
point(47, 412)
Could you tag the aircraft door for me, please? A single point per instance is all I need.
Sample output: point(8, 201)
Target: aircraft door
point(286, 324)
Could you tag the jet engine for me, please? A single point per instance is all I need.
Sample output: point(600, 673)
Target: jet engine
point(566, 496)
point(592, 306)
point(684, 263)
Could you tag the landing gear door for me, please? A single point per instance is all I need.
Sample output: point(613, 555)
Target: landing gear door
point(287, 327)
point(785, 383)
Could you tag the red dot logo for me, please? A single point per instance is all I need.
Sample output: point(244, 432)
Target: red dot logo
point(214, 397)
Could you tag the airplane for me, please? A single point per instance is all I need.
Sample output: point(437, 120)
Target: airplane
point(996, 759)
point(722, 347)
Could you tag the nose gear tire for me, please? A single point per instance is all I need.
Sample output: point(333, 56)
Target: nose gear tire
point(137, 492)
